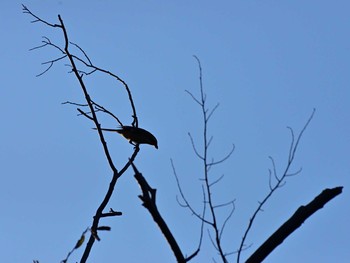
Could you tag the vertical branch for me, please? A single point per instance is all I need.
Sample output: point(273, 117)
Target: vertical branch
point(213, 221)
point(206, 166)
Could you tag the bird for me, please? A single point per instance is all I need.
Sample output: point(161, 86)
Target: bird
point(135, 135)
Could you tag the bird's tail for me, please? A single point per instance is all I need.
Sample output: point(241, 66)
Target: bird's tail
point(111, 130)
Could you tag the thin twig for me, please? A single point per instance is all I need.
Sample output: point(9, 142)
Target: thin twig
point(279, 181)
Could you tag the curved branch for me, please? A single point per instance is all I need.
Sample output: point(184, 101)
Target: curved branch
point(279, 183)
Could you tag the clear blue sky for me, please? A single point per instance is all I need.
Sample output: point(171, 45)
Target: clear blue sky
point(268, 64)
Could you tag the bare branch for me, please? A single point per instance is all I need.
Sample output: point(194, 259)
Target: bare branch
point(291, 144)
point(300, 135)
point(47, 42)
point(216, 181)
point(112, 213)
point(37, 19)
point(194, 98)
point(294, 173)
point(148, 198)
point(209, 141)
point(75, 104)
point(212, 222)
point(91, 105)
point(212, 111)
point(224, 158)
point(294, 222)
point(194, 147)
point(223, 204)
point(82, 51)
point(280, 181)
point(103, 109)
point(85, 114)
point(227, 218)
point(212, 241)
point(201, 231)
point(274, 168)
point(187, 204)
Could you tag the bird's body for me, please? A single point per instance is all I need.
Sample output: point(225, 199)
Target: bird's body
point(136, 135)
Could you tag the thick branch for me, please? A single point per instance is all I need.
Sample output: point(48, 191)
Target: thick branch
point(302, 213)
point(149, 202)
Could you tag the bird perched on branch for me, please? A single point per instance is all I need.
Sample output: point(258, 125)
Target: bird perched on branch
point(135, 135)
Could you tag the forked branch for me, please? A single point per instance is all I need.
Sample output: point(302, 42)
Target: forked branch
point(209, 216)
point(91, 115)
point(279, 181)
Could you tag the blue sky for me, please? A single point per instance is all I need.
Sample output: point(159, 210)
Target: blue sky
point(267, 63)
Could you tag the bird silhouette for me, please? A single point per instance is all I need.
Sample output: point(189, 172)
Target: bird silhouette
point(135, 135)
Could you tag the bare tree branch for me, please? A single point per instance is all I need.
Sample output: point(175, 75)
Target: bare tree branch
point(91, 105)
point(194, 147)
point(279, 181)
point(211, 218)
point(148, 198)
point(294, 222)
point(187, 204)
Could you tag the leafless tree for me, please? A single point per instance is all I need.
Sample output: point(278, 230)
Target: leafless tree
point(81, 66)
point(215, 231)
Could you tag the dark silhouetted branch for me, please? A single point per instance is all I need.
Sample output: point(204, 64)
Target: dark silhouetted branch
point(209, 215)
point(91, 115)
point(296, 220)
point(148, 198)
